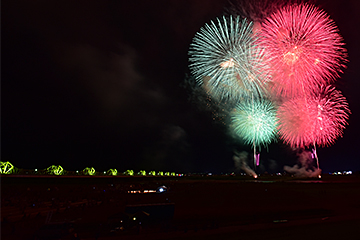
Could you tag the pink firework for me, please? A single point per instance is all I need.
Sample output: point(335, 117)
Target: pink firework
point(316, 120)
point(303, 49)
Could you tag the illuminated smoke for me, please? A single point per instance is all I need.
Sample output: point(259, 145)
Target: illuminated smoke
point(240, 163)
point(305, 168)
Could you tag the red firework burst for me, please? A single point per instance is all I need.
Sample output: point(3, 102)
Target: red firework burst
point(303, 49)
point(318, 119)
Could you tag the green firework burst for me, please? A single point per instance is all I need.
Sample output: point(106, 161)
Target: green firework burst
point(254, 121)
point(225, 60)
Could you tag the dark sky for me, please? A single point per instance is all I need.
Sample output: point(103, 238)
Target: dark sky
point(98, 83)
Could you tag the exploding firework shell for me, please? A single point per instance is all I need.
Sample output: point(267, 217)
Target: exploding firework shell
point(317, 119)
point(225, 61)
point(303, 49)
point(254, 121)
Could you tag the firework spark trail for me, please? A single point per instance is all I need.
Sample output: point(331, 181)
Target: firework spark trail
point(302, 49)
point(316, 120)
point(225, 60)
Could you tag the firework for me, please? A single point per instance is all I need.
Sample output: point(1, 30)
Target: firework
point(225, 61)
point(302, 48)
point(317, 119)
point(254, 121)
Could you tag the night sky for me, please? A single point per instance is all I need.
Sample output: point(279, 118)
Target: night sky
point(100, 83)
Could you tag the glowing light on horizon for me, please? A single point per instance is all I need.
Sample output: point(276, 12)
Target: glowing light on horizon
point(89, 171)
point(142, 172)
point(6, 168)
point(129, 172)
point(112, 172)
point(55, 170)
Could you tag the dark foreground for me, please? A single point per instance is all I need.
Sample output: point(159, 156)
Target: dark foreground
point(205, 208)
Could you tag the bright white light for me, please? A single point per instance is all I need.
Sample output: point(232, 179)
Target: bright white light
point(161, 190)
point(228, 64)
point(35, 169)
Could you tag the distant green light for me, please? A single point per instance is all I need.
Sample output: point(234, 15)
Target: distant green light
point(142, 172)
point(160, 173)
point(6, 168)
point(55, 170)
point(152, 173)
point(89, 171)
point(129, 172)
point(112, 172)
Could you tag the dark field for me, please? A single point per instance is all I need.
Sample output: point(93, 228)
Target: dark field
point(205, 207)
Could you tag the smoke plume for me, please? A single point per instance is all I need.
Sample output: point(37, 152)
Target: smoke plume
point(305, 167)
point(240, 162)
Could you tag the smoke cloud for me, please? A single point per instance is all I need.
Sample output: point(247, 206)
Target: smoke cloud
point(305, 168)
point(240, 162)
